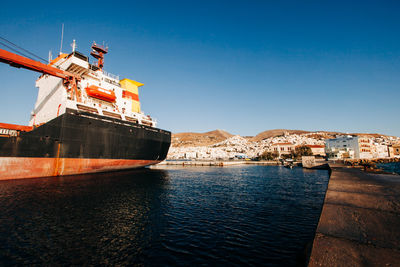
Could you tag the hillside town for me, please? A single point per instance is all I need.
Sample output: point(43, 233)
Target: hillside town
point(320, 144)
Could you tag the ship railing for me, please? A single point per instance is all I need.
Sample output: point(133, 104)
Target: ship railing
point(110, 75)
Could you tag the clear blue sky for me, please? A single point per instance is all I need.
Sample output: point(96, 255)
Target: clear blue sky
point(241, 66)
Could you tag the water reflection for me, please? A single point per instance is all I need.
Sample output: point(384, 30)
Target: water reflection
point(97, 218)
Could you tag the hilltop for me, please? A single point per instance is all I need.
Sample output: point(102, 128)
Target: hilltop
point(274, 133)
point(199, 139)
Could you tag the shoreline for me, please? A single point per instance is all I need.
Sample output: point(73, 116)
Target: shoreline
point(219, 163)
point(368, 165)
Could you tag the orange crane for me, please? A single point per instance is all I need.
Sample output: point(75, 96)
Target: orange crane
point(70, 80)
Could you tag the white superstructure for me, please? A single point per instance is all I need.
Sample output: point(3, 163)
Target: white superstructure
point(98, 92)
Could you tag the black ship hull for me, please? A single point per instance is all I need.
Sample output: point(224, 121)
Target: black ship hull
point(80, 142)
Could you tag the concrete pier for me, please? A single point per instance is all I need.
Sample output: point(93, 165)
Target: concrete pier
point(360, 220)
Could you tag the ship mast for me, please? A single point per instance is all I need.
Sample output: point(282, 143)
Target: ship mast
point(98, 52)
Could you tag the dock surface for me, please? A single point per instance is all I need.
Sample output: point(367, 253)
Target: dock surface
point(360, 220)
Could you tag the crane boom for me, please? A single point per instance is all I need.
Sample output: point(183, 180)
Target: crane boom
point(27, 63)
point(18, 61)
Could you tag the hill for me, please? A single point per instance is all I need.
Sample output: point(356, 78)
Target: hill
point(375, 135)
point(199, 139)
point(209, 138)
point(274, 133)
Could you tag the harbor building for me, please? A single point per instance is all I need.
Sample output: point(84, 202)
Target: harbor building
point(349, 147)
point(396, 150)
point(380, 151)
point(317, 150)
point(282, 148)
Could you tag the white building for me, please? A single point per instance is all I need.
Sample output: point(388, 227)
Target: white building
point(350, 147)
point(317, 150)
point(380, 151)
point(282, 148)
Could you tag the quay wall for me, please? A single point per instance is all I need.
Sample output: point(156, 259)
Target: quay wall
point(360, 220)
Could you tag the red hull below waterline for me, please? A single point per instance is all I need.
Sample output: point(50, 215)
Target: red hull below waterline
point(26, 167)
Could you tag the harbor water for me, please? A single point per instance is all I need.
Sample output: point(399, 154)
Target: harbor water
point(393, 167)
point(175, 216)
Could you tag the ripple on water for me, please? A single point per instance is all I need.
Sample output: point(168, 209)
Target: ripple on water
point(243, 215)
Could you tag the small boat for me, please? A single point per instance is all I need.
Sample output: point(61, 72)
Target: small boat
point(288, 163)
point(290, 166)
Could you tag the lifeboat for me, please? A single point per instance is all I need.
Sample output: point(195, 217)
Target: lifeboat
point(100, 93)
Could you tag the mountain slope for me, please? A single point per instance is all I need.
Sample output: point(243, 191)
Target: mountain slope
point(199, 139)
point(275, 132)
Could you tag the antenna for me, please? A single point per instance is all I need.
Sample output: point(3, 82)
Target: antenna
point(73, 45)
point(62, 36)
point(50, 56)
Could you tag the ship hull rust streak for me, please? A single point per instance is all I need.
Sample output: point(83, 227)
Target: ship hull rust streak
point(78, 143)
point(18, 167)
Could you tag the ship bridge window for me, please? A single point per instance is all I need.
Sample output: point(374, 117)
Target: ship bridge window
point(80, 56)
point(93, 67)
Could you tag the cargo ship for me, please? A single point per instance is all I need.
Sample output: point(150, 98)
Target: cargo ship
point(85, 120)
